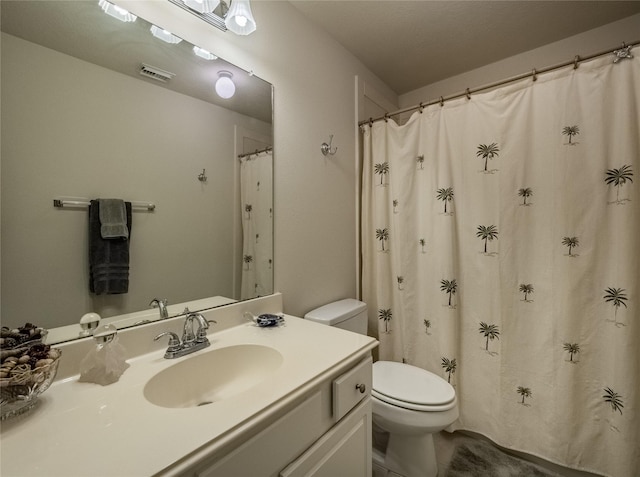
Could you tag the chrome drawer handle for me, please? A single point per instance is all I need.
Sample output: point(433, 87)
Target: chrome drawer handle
point(361, 387)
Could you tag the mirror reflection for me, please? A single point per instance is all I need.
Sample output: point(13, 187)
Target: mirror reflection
point(94, 107)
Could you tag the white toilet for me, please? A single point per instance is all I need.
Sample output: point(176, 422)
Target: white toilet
point(409, 403)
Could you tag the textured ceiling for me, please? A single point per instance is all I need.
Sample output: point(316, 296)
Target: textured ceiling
point(410, 44)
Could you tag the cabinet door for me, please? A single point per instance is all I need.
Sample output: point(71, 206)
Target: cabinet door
point(344, 451)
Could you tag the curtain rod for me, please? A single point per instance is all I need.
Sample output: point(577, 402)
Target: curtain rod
point(620, 53)
point(266, 149)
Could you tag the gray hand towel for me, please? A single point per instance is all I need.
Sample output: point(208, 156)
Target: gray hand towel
point(108, 259)
point(113, 219)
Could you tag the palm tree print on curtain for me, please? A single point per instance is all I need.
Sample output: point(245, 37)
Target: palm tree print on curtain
point(571, 131)
point(527, 289)
point(490, 332)
point(618, 178)
point(549, 201)
point(445, 195)
point(382, 235)
point(449, 367)
point(571, 242)
point(571, 348)
point(617, 297)
point(385, 316)
point(525, 193)
point(382, 170)
point(427, 325)
point(525, 393)
point(420, 161)
point(488, 233)
point(613, 399)
point(449, 287)
point(487, 152)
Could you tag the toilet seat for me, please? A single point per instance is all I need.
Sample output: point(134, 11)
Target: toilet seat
point(410, 387)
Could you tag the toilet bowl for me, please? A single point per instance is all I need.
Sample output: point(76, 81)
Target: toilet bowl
point(411, 404)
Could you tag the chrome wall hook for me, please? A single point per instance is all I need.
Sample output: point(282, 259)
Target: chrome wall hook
point(202, 177)
point(326, 148)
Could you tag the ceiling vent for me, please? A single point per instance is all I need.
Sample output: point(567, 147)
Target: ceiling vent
point(155, 73)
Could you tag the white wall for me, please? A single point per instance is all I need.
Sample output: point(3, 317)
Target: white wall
point(584, 44)
point(313, 78)
point(71, 128)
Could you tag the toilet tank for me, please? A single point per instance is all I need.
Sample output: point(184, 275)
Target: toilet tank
point(348, 314)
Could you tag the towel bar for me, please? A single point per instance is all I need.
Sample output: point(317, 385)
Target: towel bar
point(150, 206)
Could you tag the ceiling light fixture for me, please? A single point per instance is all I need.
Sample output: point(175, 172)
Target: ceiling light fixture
point(202, 53)
point(165, 35)
point(202, 6)
point(239, 18)
point(117, 12)
point(225, 88)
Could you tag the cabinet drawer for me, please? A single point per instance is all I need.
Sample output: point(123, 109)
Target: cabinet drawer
point(351, 387)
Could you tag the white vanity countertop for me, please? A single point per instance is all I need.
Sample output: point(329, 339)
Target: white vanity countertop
point(81, 429)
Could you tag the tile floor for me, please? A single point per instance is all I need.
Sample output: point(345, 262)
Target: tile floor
point(445, 443)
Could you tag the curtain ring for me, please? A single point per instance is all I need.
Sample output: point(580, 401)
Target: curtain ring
point(421, 107)
point(442, 100)
point(534, 75)
point(575, 62)
point(370, 122)
point(468, 94)
point(386, 117)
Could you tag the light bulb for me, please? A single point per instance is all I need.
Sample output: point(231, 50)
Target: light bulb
point(239, 18)
point(225, 88)
point(165, 35)
point(202, 53)
point(117, 12)
point(202, 6)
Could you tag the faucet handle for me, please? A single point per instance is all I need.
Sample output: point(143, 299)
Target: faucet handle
point(174, 341)
point(203, 326)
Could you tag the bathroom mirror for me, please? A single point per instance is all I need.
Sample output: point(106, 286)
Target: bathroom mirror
point(80, 121)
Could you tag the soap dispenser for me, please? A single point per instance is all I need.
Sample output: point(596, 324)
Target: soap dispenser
point(105, 363)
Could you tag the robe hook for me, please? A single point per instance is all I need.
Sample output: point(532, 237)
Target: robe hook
point(202, 177)
point(326, 148)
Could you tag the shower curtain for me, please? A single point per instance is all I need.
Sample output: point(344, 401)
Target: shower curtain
point(256, 194)
point(500, 251)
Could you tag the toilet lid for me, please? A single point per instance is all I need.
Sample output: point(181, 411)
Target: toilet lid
point(412, 387)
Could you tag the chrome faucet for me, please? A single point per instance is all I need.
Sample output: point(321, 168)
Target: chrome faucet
point(162, 306)
point(191, 342)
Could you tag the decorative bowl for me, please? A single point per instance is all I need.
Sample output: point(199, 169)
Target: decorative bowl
point(20, 390)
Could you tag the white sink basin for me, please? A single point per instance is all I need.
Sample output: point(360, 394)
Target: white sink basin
point(212, 376)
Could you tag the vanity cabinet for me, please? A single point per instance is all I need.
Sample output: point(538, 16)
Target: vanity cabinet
point(327, 433)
